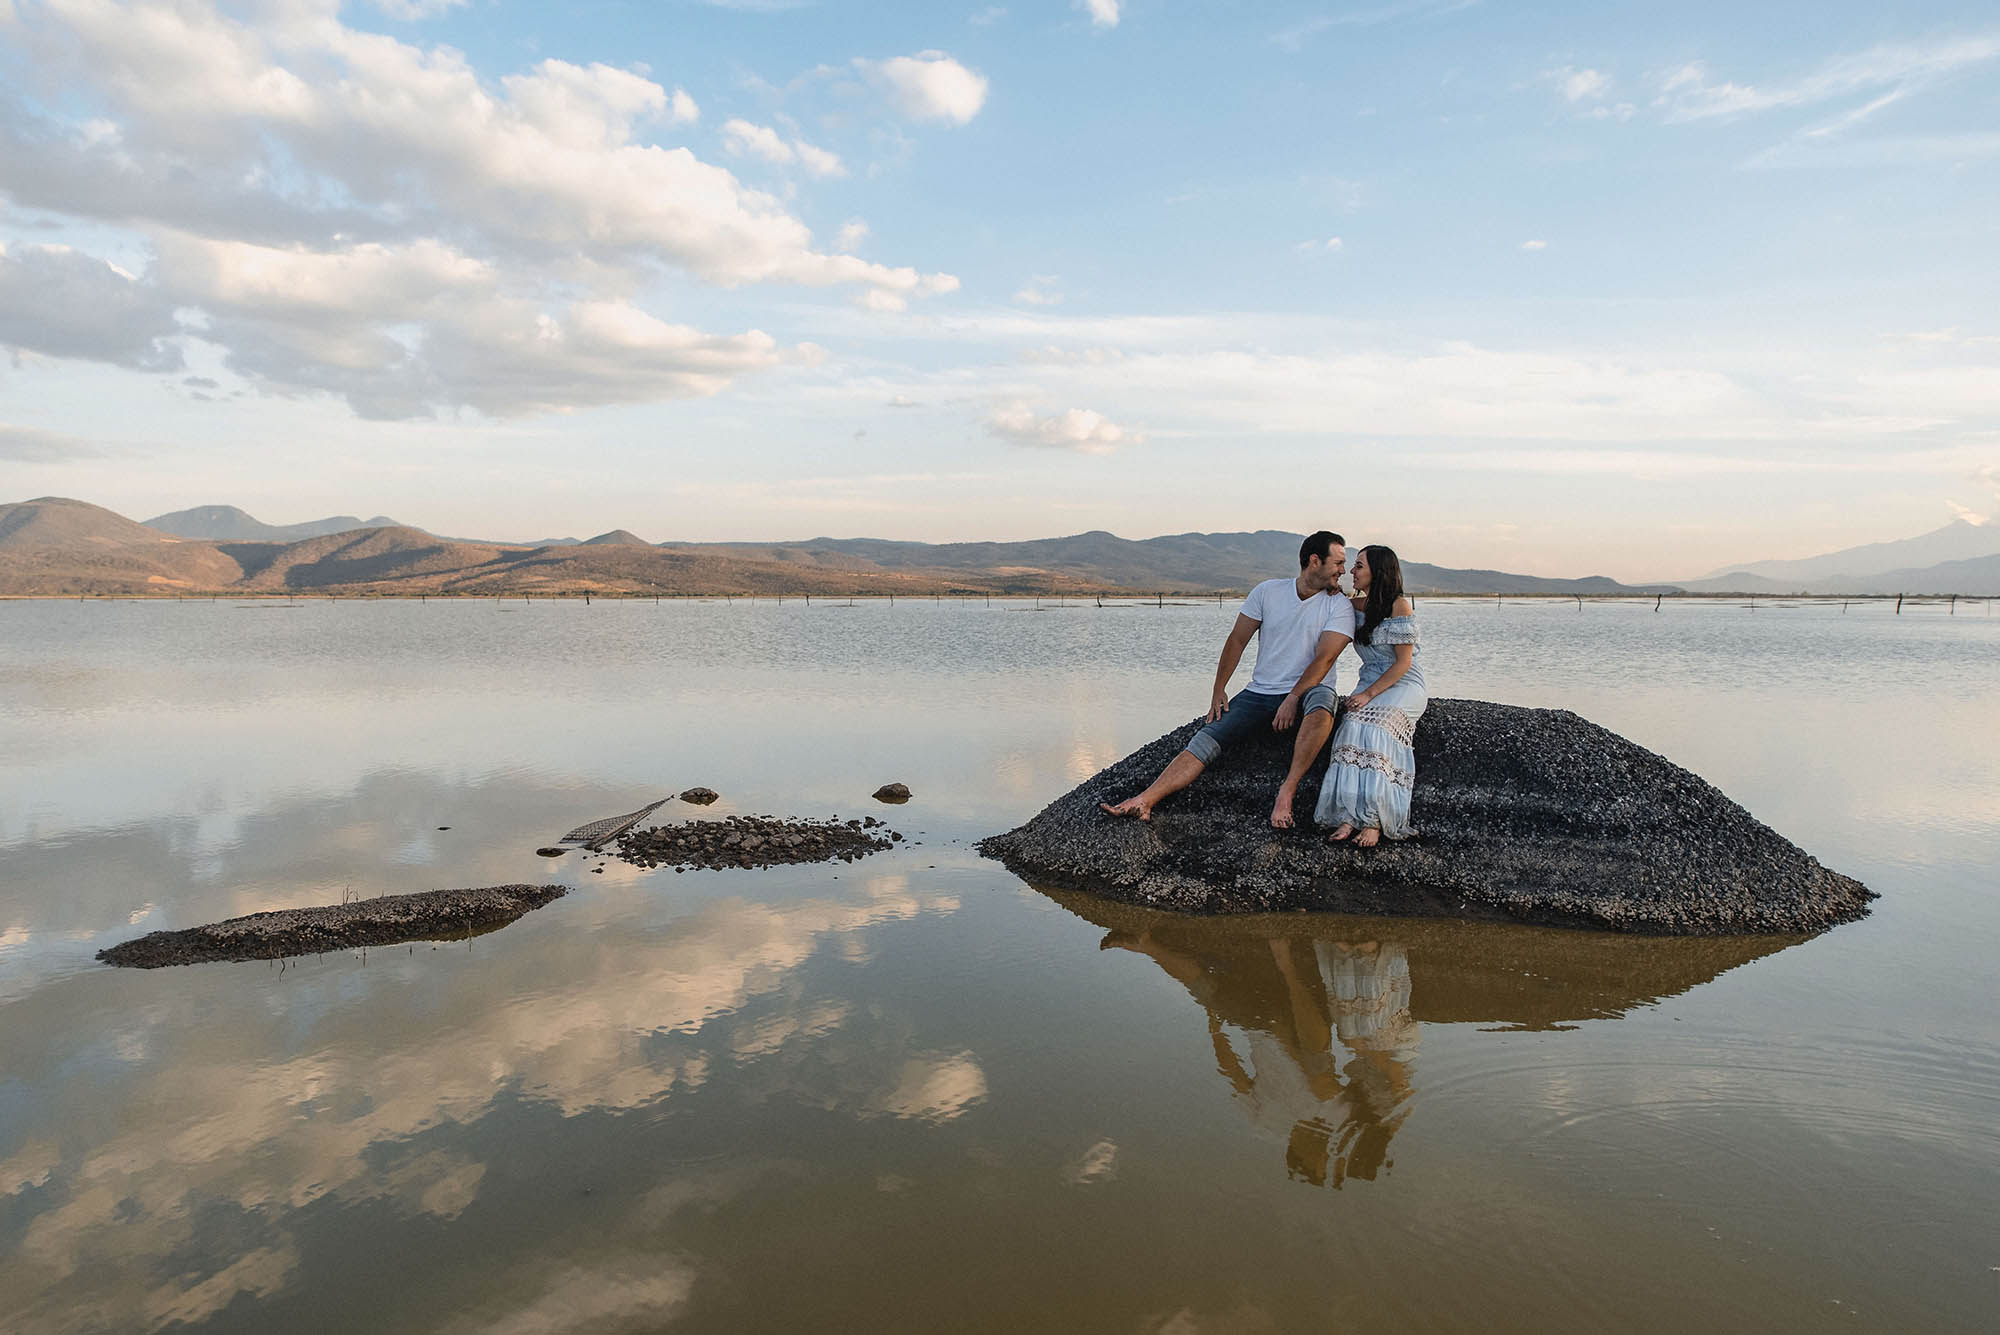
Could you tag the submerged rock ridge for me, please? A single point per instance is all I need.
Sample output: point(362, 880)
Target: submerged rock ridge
point(1528, 815)
point(389, 920)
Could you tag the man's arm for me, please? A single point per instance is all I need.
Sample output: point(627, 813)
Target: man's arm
point(1225, 668)
point(1331, 642)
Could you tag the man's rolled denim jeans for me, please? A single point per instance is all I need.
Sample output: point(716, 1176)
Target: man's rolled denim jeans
point(1249, 710)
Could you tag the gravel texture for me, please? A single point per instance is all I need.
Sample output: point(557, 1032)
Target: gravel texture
point(431, 916)
point(1533, 815)
point(755, 841)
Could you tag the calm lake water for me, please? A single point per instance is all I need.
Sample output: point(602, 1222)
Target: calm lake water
point(915, 1093)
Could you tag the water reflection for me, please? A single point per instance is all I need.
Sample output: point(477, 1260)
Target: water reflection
point(1315, 1020)
point(234, 1111)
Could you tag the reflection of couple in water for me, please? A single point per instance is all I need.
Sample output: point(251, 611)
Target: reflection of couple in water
point(1336, 1117)
point(1301, 626)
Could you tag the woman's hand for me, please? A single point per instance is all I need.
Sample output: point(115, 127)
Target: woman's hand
point(1359, 700)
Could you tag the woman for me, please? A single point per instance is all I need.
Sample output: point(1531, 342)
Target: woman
point(1368, 779)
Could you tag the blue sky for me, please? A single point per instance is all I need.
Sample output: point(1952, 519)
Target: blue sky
point(1639, 290)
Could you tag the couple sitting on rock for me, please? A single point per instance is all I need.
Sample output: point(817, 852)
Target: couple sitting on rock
point(1301, 625)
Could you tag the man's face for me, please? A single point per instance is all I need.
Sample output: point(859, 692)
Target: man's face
point(1326, 574)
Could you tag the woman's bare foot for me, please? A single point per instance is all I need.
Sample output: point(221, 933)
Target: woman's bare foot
point(1131, 806)
point(1343, 832)
point(1368, 838)
point(1281, 809)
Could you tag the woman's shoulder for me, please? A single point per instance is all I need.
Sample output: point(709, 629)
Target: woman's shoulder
point(1403, 608)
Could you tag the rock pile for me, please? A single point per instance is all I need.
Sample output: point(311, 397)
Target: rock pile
point(1534, 815)
point(434, 915)
point(755, 841)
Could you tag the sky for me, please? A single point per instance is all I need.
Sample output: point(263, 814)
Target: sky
point(1638, 290)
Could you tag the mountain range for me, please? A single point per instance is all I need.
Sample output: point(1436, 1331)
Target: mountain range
point(56, 546)
point(1959, 558)
point(226, 523)
point(59, 546)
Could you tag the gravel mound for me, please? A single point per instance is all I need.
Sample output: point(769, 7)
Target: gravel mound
point(755, 841)
point(1531, 815)
point(431, 916)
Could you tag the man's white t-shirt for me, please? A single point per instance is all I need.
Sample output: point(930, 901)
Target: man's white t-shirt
point(1289, 632)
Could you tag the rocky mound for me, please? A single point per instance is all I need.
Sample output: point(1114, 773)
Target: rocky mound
point(390, 920)
point(1533, 815)
point(754, 841)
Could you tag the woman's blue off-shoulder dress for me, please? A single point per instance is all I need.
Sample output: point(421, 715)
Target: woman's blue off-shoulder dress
point(1374, 763)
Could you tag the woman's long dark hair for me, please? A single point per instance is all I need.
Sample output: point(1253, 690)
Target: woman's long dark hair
point(1385, 586)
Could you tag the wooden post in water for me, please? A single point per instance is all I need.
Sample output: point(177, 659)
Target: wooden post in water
point(1899, 604)
point(1953, 610)
point(1656, 601)
point(1579, 601)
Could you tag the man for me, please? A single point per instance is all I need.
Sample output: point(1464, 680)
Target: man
point(1301, 626)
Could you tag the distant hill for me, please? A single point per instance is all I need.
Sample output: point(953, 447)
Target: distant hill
point(56, 521)
point(56, 545)
point(617, 537)
point(1978, 577)
point(1956, 541)
point(226, 523)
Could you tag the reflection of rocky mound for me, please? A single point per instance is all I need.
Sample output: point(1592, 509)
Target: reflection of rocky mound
point(1463, 972)
point(1527, 814)
point(1315, 1021)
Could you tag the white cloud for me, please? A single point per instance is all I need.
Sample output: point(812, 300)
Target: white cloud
point(1040, 290)
point(987, 17)
point(409, 11)
point(1990, 475)
point(1689, 94)
point(1970, 516)
point(1805, 150)
point(850, 237)
point(1367, 16)
point(301, 147)
point(928, 86)
point(338, 321)
point(1331, 243)
point(61, 302)
point(760, 141)
point(26, 444)
point(1078, 429)
point(1577, 85)
point(1103, 13)
point(817, 161)
point(1534, 245)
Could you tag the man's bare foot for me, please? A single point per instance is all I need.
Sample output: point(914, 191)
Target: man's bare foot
point(1345, 831)
point(1131, 806)
point(1368, 838)
point(1281, 810)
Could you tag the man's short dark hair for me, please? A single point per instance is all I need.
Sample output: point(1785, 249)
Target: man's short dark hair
point(1319, 544)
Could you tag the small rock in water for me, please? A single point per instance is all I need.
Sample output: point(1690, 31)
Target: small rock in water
point(893, 792)
point(551, 852)
point(444, 827)
point(700, 797)
point(749, 841)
